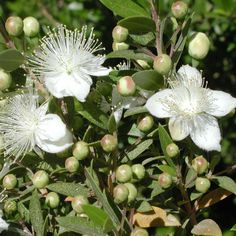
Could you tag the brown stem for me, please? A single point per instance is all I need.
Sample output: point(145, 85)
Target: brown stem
point(227, 170)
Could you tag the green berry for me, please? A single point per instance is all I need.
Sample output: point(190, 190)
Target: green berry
point(139, 232)
point(14, 25)
point(109, 143)
point(10, 206)
point(119, 34)
point(165, 180)
point(179, 9)
point(162, 64)
point(123, 173)
point(40, 179)
point(119, 46)
point(72, 164)
point(9, 181)
point(200, 164)
point(81, 150)
point(78, 202)
point(202, 184)
point(126, 86)
point(52, 200)
point(172, 150)
point(145, 123)
point(31, 26)
point(138, 171)
point(120, 193)
point(5, 80)
point(133, 193)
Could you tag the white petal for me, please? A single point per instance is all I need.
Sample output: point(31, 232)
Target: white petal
point(52, 135)
point(156, 104)
point(221, 103)
point(206, 133)
point(179, 128)
point(118, 114)
point(3, 225)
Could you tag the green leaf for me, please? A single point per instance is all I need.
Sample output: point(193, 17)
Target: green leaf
point(225, 182)
point(168, 169)
point(111, 126)
point(148, 80)
point(11, 59)
point(138, 24)
point(144, 207)
point(124, 10)
point(135, 110)
point(144, 39)
point(233, 228)
point(190, 178)
point(165, 139)
point(99, 217)
point(36, 216)
point(79, 225)
point(195, 195)
point(165, 231)
point(68, 189)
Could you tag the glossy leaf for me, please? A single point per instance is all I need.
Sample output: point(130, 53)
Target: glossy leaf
point(226, 182)
point(190, 178)
point(134, 111)
point(144, 39)
point(165, 168)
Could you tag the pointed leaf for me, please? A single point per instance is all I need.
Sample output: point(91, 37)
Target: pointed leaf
point(111, 126)
point(135, 110)
point(165, 168)
point(226, 182)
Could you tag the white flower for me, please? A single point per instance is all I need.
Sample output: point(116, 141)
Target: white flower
point(66, 62)
point(3, 225)
point(191, 108)
point(25, 125)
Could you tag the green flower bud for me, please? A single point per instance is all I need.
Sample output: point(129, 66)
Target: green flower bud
point(138, 171)
point(165, 180)
point(78, 202)
point(120, 193)
point(126, 86)
point(52, 200)
point(139, 232)
point(81, 150)
point(202, 184)
point(199, 46)
point(5, 80)
point(72, 164)
point(146, 123)
point(200, 164)
point(179, 9)
point(119, 34)
point(14, 25)
point(133, 193)
point(40, 179)
point(109, 143)
point(9, 181)
point(31, 26)
point(162, 64)
point(119, 46)
point(123, 173)
point(10, 207)
point(172, 150)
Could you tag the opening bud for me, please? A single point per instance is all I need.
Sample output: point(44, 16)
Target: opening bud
point(172, 150)
point(119, 46)
point(80, 150)
point(78, 202)
point(145, 123)
point(165, 180)
point(126, 86)
point(202, 184)
point(14, 25)
point(10, 207)
point(139, 232)
point(133, 192)
point(40, 179)
point(199, 46)
point(52, 200)
point(200, 164)
point(179, 9)
point(9, 181)
point(138, 171)
point(5, 80)
point(120, 193)
point(31, 26)
point(119, 34)
point(72, 164)
point(123, 173)
point(162, 64)
point(109, 143)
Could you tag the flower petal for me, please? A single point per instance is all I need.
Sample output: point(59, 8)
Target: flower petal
point(179, 128)
point(118, 114)
point(156, 104)
point(52, 135)
point(221, 103)
point(3, 225)
point(206, 133)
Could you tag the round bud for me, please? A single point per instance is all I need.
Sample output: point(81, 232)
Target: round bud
point(162, 64)
point(119, 46)
point(78, 202)
point(132, 192)
point(119, 34)
point(139, 232)
point(10, 207)
point(146, 123)
point(52, 200)
point(126, 86)
point(123, 173)
point(5, 80)
point(200, 164)
point(172, 150)
point(40, 179)
point(199, 46)
point(31, 26)
point(81, 150)
point(72, 164)
point(165, 180)
point(9, 181)
point(138, 171)
point(14, 25)
point(179, 9)
point(202, 184)
point(120, 193)
point(109, 143)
